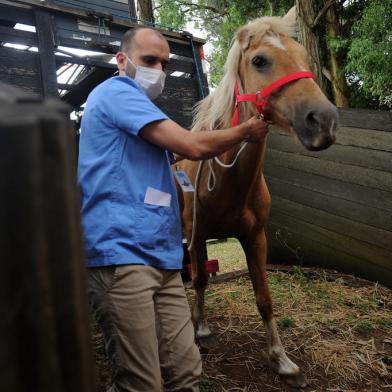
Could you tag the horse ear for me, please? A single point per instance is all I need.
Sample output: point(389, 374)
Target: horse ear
point(291, 17)
point(243, 38)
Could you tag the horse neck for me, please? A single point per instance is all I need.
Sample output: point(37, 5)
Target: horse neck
point(249, 166)
point(250, 162)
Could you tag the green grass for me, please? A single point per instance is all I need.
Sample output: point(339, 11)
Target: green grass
point(298, 288)
point(384, 323)
point(364, 326)
point(387, 359)
point(207, 385)
point(230, 255)
point(286, 322)
point(371, 324)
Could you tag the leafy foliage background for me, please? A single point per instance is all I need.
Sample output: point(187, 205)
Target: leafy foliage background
point(363, 46)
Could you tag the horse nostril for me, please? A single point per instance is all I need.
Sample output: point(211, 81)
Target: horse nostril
point(312, 119)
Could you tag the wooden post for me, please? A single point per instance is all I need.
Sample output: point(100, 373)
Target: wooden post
point(46, 47)
point(45, 330)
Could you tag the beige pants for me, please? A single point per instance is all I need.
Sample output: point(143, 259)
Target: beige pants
point(146, 321)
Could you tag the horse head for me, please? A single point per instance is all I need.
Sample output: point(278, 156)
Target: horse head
point(263, 52)
point(268, 53)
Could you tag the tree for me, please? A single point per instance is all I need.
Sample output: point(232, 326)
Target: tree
point(309, 39)
point(336, 61)
point(145, 10)
point(370, 55)
point(320, 30)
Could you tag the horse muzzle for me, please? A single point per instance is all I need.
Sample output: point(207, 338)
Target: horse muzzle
point(316, 126)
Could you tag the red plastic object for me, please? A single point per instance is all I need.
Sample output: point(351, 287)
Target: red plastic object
point(212, 267)
point(202, 52)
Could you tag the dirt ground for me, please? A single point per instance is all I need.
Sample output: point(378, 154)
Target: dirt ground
point(337, 328)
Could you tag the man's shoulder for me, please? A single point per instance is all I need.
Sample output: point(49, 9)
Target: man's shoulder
point(117, 83)
point(117, 89)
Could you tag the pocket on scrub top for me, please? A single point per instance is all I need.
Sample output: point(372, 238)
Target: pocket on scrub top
point(152, 226)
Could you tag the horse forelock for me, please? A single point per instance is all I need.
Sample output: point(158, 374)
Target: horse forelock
point(216, 111)
point(276, 25)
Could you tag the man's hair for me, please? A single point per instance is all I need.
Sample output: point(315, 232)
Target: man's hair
point(127, 41)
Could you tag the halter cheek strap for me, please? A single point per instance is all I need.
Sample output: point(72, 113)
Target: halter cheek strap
point(260, 98)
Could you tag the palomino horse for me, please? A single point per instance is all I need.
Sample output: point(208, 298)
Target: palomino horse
point(235, 202)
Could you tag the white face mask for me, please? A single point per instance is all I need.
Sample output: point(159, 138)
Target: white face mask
point(150, 79)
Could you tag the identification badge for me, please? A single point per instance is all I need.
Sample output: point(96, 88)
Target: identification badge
point(184, 181)
point(156, 197)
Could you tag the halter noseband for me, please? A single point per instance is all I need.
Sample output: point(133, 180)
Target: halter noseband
point(260, 98)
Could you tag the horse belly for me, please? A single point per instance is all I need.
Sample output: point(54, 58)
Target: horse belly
point(228, 223)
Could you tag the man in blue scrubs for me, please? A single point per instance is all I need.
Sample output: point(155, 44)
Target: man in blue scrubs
point(131, 219)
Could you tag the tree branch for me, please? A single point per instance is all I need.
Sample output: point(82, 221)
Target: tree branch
point(157, 7)
point(204, 7)
point(323, 11)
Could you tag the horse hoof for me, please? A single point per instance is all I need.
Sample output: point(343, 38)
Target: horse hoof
point(207, 342)
point(297, 380)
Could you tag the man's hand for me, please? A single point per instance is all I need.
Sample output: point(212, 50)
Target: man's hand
point(256, 129)
point(202, 145)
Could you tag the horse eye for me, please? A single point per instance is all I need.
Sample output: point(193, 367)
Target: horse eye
point(260, 61)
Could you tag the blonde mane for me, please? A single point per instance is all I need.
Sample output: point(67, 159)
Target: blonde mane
point(216, 110)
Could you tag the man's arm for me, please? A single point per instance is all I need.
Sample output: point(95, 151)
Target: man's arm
point(202, 145)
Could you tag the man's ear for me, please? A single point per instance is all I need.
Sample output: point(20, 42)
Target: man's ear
point(121, 59)
point(243, 38)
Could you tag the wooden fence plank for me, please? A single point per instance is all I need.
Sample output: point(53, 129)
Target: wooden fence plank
point(367, 214)
point(367, 138)
point(342, 190)
point(357, 137)
point(286, 246)
point(340, 242)
point(370, 178)
point(365, 233)
point(368, 119)
point(359, 156)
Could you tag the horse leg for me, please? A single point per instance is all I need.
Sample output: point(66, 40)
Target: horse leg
point(255, 248)
point(198, 256)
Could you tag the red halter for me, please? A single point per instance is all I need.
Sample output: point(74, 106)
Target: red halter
point(260, 98)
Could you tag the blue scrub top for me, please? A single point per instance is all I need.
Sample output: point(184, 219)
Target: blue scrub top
point(130, 211)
